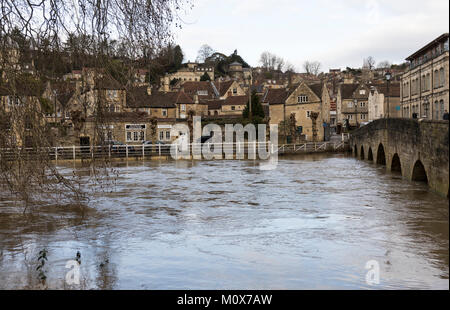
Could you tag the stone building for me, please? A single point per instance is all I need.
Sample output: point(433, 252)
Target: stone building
point(424, 85)
point(380, 99)
point(190, 71)
point(352, 104)
point(303, 101)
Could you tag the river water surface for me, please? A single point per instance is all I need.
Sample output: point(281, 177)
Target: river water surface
point(312, 223)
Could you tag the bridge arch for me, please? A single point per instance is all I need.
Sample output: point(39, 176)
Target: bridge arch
point(370, 154)
point(362, 152)
point(419, 173)
point(355, 150)
point(381, 157)
point(396, 165)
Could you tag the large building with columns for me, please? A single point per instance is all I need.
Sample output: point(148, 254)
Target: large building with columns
point(424, 86)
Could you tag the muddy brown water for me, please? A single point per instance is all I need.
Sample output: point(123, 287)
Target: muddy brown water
point(312, 223)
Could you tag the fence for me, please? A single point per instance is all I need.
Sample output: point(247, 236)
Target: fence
point(164, 150)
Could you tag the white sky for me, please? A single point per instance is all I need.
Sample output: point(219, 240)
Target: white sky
point(338, 33)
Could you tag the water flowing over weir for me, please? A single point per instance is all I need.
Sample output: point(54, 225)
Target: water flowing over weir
point(313, 222)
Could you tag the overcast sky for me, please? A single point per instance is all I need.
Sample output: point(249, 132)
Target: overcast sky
point(338, 33)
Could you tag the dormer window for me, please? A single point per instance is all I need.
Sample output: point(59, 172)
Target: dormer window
point(234, 91)
point(302, 99)
point(362, 91)
point(202, 93)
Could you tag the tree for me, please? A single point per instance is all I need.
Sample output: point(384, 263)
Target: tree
point(205, 77)
point(257, 108)
point(384, 64)
point(272, 62)
point(144, 28)
point(204, 52)
point(312, 67)
point(369, 63)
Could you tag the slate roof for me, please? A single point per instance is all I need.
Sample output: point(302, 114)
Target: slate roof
point(236, 100)
point(223, 87)
point(108, 82)
point(394, 89)
point(276, 96)
point(138, 97)
point(192, 88)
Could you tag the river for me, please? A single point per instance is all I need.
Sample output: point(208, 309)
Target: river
point(312, 223)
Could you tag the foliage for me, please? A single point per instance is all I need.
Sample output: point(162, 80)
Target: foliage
point(205, 77)
point(257, 108)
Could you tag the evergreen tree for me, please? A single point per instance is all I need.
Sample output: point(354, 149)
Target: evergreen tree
point(205, 77)
point(257, 108)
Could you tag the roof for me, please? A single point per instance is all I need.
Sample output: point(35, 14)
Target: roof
point(64, 91)
point(235, 63)
point(138, 97)
point(214, 104)
point(276, 96)
point(128, 116)
point(439, 39)
point(347, 90)
point(394, 89)
point(107, 82)
point(28, 88)
point(223, 87)
point(236, 100)
point(317, 89)
point(192, 88)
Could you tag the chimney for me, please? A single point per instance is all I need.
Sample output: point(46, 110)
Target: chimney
point(196, 99)
point(166, 84)
point(229, 93)
point(149, 90)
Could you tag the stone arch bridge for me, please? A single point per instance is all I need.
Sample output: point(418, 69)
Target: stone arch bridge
point(419, 150)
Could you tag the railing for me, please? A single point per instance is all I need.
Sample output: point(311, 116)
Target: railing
point(148, 151)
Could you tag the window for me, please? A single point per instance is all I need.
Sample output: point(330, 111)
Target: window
point(436, 110)
point(441, 77)
point(233, 108)
point(362, 91)
point(161, 135)
point(308, 113)
point(183, 107)
point(168, 135)
point(202, 92)
point(112, 108)
point(436, 79)
point(441, 103)
point(350, 116)
point(112, 94)
point(363, 116)
point(302, 99)
point(234, 91)
point(164, 112)
point(423, 83)
point(135, 132)
point(362, 104)
point(350, 104)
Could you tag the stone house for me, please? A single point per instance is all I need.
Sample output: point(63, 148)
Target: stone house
point(352, 104)
point(303, 101)
point(380, 99)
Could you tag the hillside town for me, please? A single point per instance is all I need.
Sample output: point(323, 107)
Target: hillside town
point(143, 105)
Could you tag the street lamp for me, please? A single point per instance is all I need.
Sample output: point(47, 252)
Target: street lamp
point(388, 79)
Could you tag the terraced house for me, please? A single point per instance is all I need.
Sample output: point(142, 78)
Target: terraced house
point(424, 86)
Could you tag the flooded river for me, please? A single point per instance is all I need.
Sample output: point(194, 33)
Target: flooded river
point(313, 223)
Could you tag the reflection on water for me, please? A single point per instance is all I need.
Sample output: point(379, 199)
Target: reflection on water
point(312, 223)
